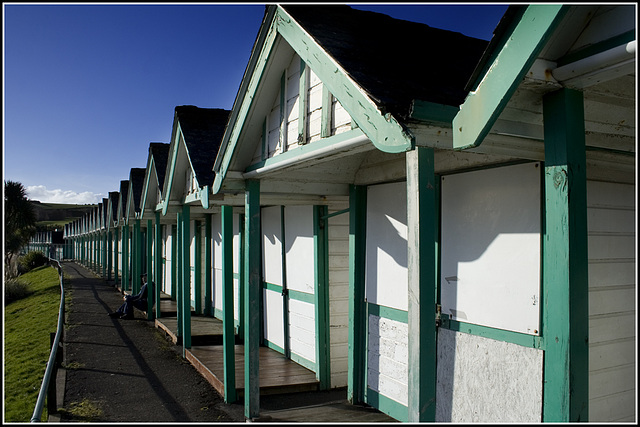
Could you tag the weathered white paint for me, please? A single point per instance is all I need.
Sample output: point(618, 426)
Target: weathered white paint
point(192, 261)
point(488, 381)
point(490, 247)
point(338, 295)
point(299, 248)
point(302, 329)
point(386, 251)
point(237, 243)
point(273, 317)
point(387, 358)
point(314, 107)
point(612, 301)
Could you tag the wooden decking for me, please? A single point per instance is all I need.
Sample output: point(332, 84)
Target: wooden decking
point(278, 375)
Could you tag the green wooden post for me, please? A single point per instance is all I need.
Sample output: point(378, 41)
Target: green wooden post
point(116, 257)
point(321, 273)
point(174, 260)
point(197, 262)
point(136, 267)
point(242, 280)
point(186, 279)
point(357, 318)
point(178, 273)
point(157, 275)
point(125, 257)
point(208, 298)
point(285, 292)
point(422, 285)
point(104, 253)
point(151, 279)
point(565, 263)
point(109, 254)
point(227, 306)
point(252, 291)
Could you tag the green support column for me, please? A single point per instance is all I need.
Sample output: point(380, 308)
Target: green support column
point(321, 273)
point(565, 263)
point(116, 257)
point(421, 259)
point(109, 254)
point(197, 263)
point(157, 274)
point(208, 298)
point(151, 279)
point(104, 254)
point(136, 257)
point(186, 279)
point(125, 258)
point(174, 260)
point(357, 317)
point(242, 280)
point(227, 306)
point(252, 292)
point(178, 273)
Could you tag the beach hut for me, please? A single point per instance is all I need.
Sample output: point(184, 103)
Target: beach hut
point(454, 277)
point(196, 135)
point(158, 241)
point(112, 237)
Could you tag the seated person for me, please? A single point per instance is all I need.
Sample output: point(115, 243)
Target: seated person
point(138, 301)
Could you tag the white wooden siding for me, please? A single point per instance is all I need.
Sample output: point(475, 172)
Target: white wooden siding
point(612, 301)
point(272, 273)
point(314, 107)
point(167, 245)
point(192, 261)
point(216, 261)
point(339, 295)
point(292, 96)
point(387, 358)
point(491, 248)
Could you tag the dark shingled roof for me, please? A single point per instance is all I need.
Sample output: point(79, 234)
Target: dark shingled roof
point(160, 153)
point(202, 129)
point(124, 191)
point(393, 60)
point(136, 179)
point(114, 195)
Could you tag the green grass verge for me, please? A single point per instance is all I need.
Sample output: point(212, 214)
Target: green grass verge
point(28, 323)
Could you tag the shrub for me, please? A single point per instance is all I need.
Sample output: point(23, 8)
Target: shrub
point(32, 260)
point(15, 289)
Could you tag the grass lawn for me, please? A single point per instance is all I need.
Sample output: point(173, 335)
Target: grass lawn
point(28, 323)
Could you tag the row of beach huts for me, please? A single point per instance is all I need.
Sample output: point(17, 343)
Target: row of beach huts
point(443, 226)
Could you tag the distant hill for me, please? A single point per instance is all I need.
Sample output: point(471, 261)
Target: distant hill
point(52, 214)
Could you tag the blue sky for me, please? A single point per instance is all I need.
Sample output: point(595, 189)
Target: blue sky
point(87, 87)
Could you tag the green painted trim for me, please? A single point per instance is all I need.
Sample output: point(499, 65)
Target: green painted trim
point(321, 296)
point(159, 262)
point(525, 340)
point(116, 255)
point(356, 369)
point(304, 362)
point(293, 294)
point(173, 158)
point(565, 320)
point(254, 76)
point(252, 294)
point(305, 149)
point(241, 276)
point(388, 312)
point(109, 254)
point(174, 260)
point(331, 215)
point(597, 48)
point(422, 284)
point(197, 269)
point(388, 406)
point(151, 289)
point(386, 133)
point(326, 113)
point(285, 291)
point(186, 279)
point(432, 112)
point(125, 257)
point(273, 346)
point(228, 337)
point(179, 276)
point(482, 107)
point(208, 281)
point(303, 103)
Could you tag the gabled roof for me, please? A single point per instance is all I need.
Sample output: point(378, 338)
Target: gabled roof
point(376, 66)
point(394, 61)
point(201, 129)
point(136, 184)
point(154, 175)
point(123, 200)
point(112, 213)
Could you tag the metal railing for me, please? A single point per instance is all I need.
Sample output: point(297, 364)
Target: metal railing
point(48, 388)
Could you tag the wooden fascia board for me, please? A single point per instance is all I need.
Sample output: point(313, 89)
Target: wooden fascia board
point(151, 168)
point(483, 106)
point(386, 133)
point(171, 165)
point(249, 87)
